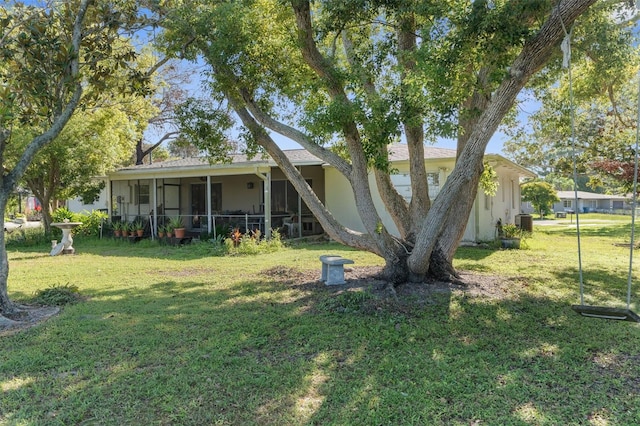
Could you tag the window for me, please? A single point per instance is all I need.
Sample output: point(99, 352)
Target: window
point(402, 183)
point(567, 204)
point(141, 194)
point(433, 179)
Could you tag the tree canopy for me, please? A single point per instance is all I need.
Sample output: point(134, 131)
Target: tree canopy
point(541, 195)
point(359, 75)
point(55, 59)
point(600, 111)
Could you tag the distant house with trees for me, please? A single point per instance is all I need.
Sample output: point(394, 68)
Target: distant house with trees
point(591, 202)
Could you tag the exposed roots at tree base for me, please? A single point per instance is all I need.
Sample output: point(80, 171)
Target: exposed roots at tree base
point(25, 317)
point(440, 269)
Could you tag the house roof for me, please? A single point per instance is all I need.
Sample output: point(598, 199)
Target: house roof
point(400, 152)
point(299, 157)
point(584, 195)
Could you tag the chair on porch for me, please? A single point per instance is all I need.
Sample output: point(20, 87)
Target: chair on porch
point(291, 226)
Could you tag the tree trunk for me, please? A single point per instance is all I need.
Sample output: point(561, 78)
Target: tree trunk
point(6, 306)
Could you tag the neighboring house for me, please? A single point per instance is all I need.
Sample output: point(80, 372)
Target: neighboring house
point(251, 194)
point(591, 202)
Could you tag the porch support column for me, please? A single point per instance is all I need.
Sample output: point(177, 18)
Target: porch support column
point(299, 209)
point(155, 208)
point(109, 199)
point(266, 178)
point(209, 221)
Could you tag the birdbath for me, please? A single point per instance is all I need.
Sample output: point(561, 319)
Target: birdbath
point(64, 246)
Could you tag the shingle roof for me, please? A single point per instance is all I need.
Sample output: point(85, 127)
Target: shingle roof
point(397, 152)
point(400, 152)
point(295, 155)
point(583, 195)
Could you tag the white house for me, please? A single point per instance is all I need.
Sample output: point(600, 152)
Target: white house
point(251, 194)
point(591, 202)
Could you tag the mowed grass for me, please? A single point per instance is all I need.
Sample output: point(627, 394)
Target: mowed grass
point(175, 336)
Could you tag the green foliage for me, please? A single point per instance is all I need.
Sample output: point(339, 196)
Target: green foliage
point(91, 221)
point(176, 222)
point(489, 180)
point(251, 243)
point(347, 302)
point(541, 195)
point(204, 125)
point(58, 295)
point(28, 237)
point(604, 64)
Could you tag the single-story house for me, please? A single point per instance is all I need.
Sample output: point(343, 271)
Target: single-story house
point(254, 193)
point(591, 202)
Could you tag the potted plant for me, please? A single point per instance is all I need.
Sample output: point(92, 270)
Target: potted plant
point(168, 228)
point(132, 229)
point(179, 230)
point(511, 236)
point(161, 231)
point(117, 228)
point(138, 227)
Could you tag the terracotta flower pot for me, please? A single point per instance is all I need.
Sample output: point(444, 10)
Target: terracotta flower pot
point(180, 232)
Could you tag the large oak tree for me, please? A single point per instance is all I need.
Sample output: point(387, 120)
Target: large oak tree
point(361, 74)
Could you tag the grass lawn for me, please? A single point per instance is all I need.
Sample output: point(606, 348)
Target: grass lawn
point(175, 336)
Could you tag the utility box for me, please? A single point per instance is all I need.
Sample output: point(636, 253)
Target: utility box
point(524, 222)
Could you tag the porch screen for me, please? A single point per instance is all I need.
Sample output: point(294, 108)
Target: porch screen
point(284, 197)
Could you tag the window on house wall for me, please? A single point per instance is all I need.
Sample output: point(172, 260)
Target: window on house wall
point(433, 179)
point(487, 202)
point(567, 204)
point(141, 194)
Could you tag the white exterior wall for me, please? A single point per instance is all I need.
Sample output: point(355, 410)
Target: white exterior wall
point(484, 214)
point(77, 206)
point(505, 205)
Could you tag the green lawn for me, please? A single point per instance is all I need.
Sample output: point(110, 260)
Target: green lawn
point(174, 336)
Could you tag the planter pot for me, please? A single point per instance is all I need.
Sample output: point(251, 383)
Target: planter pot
point(169, 234)
point(117, 233)
point(510, 243)
point(180, 232)
point(140, 232)
point(160, 234)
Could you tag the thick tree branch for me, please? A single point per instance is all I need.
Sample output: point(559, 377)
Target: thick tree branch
point(535, 53)
point(61, 120)
point(324, 216)
point(296, 135)
point(359, 174)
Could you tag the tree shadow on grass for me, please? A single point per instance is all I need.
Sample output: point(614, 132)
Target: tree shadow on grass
point(283, 349)
point(601, 286)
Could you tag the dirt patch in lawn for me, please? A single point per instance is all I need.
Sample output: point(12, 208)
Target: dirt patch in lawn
point(368, 278)
point(360, 278)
